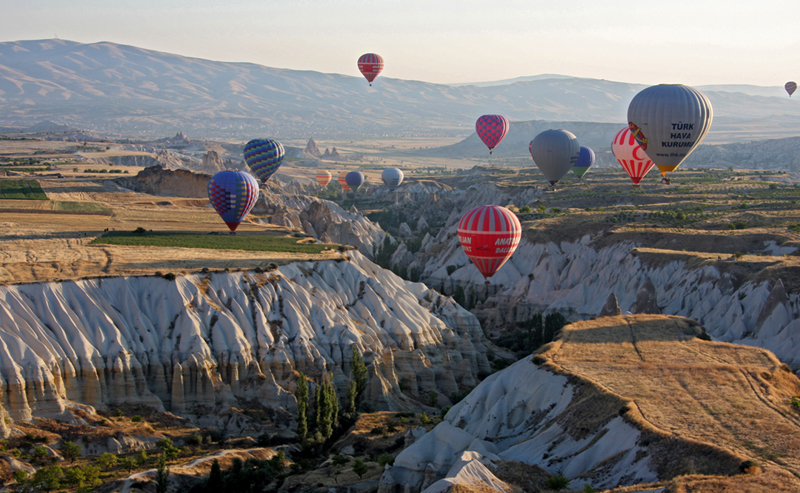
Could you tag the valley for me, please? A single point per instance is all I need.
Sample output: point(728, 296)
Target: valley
point(676, 369)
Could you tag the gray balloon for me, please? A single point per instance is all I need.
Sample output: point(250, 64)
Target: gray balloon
point(555, 152)
point(669, 121)
point(392, 178)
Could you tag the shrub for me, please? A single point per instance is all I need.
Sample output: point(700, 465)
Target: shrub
point(526, 209)
point(385, 459)
point(169, 276)
point(796, 402)
point(360, 468)
point(557, 482)
point(136, 419)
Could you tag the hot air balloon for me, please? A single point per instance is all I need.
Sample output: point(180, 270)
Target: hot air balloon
point(342, 179)
point(585, 161)
point(264, 157)
point(669, 121)
point(233, 194)
point(370, 66)
point(791, 87)
point(323, 178)
point(489, 234)
point(631, 156)
point(491, 129)
point(392, 178)
point(555, 152)
point(354, 179)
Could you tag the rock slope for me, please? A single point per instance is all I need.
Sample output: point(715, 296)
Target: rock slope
point(204, 342)
point(576, 278)
point(591, 406)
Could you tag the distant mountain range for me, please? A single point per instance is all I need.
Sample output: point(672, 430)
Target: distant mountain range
point(125, 90)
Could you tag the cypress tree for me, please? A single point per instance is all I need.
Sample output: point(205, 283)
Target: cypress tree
point(358, 374)
point(302, 406)
point(215, 482)
point(352, 394)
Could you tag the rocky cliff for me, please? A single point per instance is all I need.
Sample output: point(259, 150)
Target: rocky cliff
point(591, 407)
point(202, 343)
point(576, 278)
point(156, 180)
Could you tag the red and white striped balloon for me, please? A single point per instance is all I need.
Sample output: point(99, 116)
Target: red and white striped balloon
point(631, 155)
point(489, 234)
point(370, 66)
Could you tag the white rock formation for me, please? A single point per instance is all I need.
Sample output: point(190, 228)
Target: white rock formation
point(525, 414)
point(576, 279)
point(203, 341)
point(322, 219)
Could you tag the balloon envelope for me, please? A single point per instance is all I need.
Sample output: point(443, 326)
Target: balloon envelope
point(555, 153)
point(790, 87)
point(392, 178)
point(354, 179)
point(585, 161)
point(323, 178)
point(264, 157)
point(233, 194)
point(669, 121)
point(342, 179)
point(489, 234)
point(491, 129)
point(370, 66)
point(630, 155)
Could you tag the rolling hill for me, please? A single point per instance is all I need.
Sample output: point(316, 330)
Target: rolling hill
point(128, 90)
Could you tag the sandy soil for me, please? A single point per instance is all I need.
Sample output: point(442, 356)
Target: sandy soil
point(741, 402)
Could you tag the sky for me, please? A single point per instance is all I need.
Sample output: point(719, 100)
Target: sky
point(447, 41)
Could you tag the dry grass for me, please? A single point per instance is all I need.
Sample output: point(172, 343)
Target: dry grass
point(704, 406)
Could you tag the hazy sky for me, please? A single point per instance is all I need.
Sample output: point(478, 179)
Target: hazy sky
point(688, 41)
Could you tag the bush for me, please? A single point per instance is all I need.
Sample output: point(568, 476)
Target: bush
point(557, 482)
point(136, 419)
point(526, 209)
point(385, 459)
point(796, 402)
point(169, 276)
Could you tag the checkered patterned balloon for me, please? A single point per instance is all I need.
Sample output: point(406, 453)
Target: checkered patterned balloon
point(233, 194)
point(264, 157)
point(491, 129)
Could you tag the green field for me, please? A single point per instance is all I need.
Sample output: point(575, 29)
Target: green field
point(214, 242)
point(93, 207)
point(21, 190)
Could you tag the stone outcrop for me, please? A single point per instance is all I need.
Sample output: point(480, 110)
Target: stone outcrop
point(575, 278)
point(311, 149)
point(204, 342)
point(611, 307)
point(156, 180)
point(212, 162)
point(575, 411)
point(646, 300)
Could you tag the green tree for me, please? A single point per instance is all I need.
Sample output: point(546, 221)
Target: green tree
point(556, 482)
point(352, 395)
point(168, 450)
point(74, 476)
point(553, 322)
point(215, 482)
point(339, 460)
point(107, 460)
point(302, 406)
point(71, 451)
point(277, 461)
point(459, 297)
point(385, 459)
point(360, 468)
point(162, 475)
point(47, 478)
point(358, 373)
point(127, 463)
point(327, 407)
point(142, 458)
